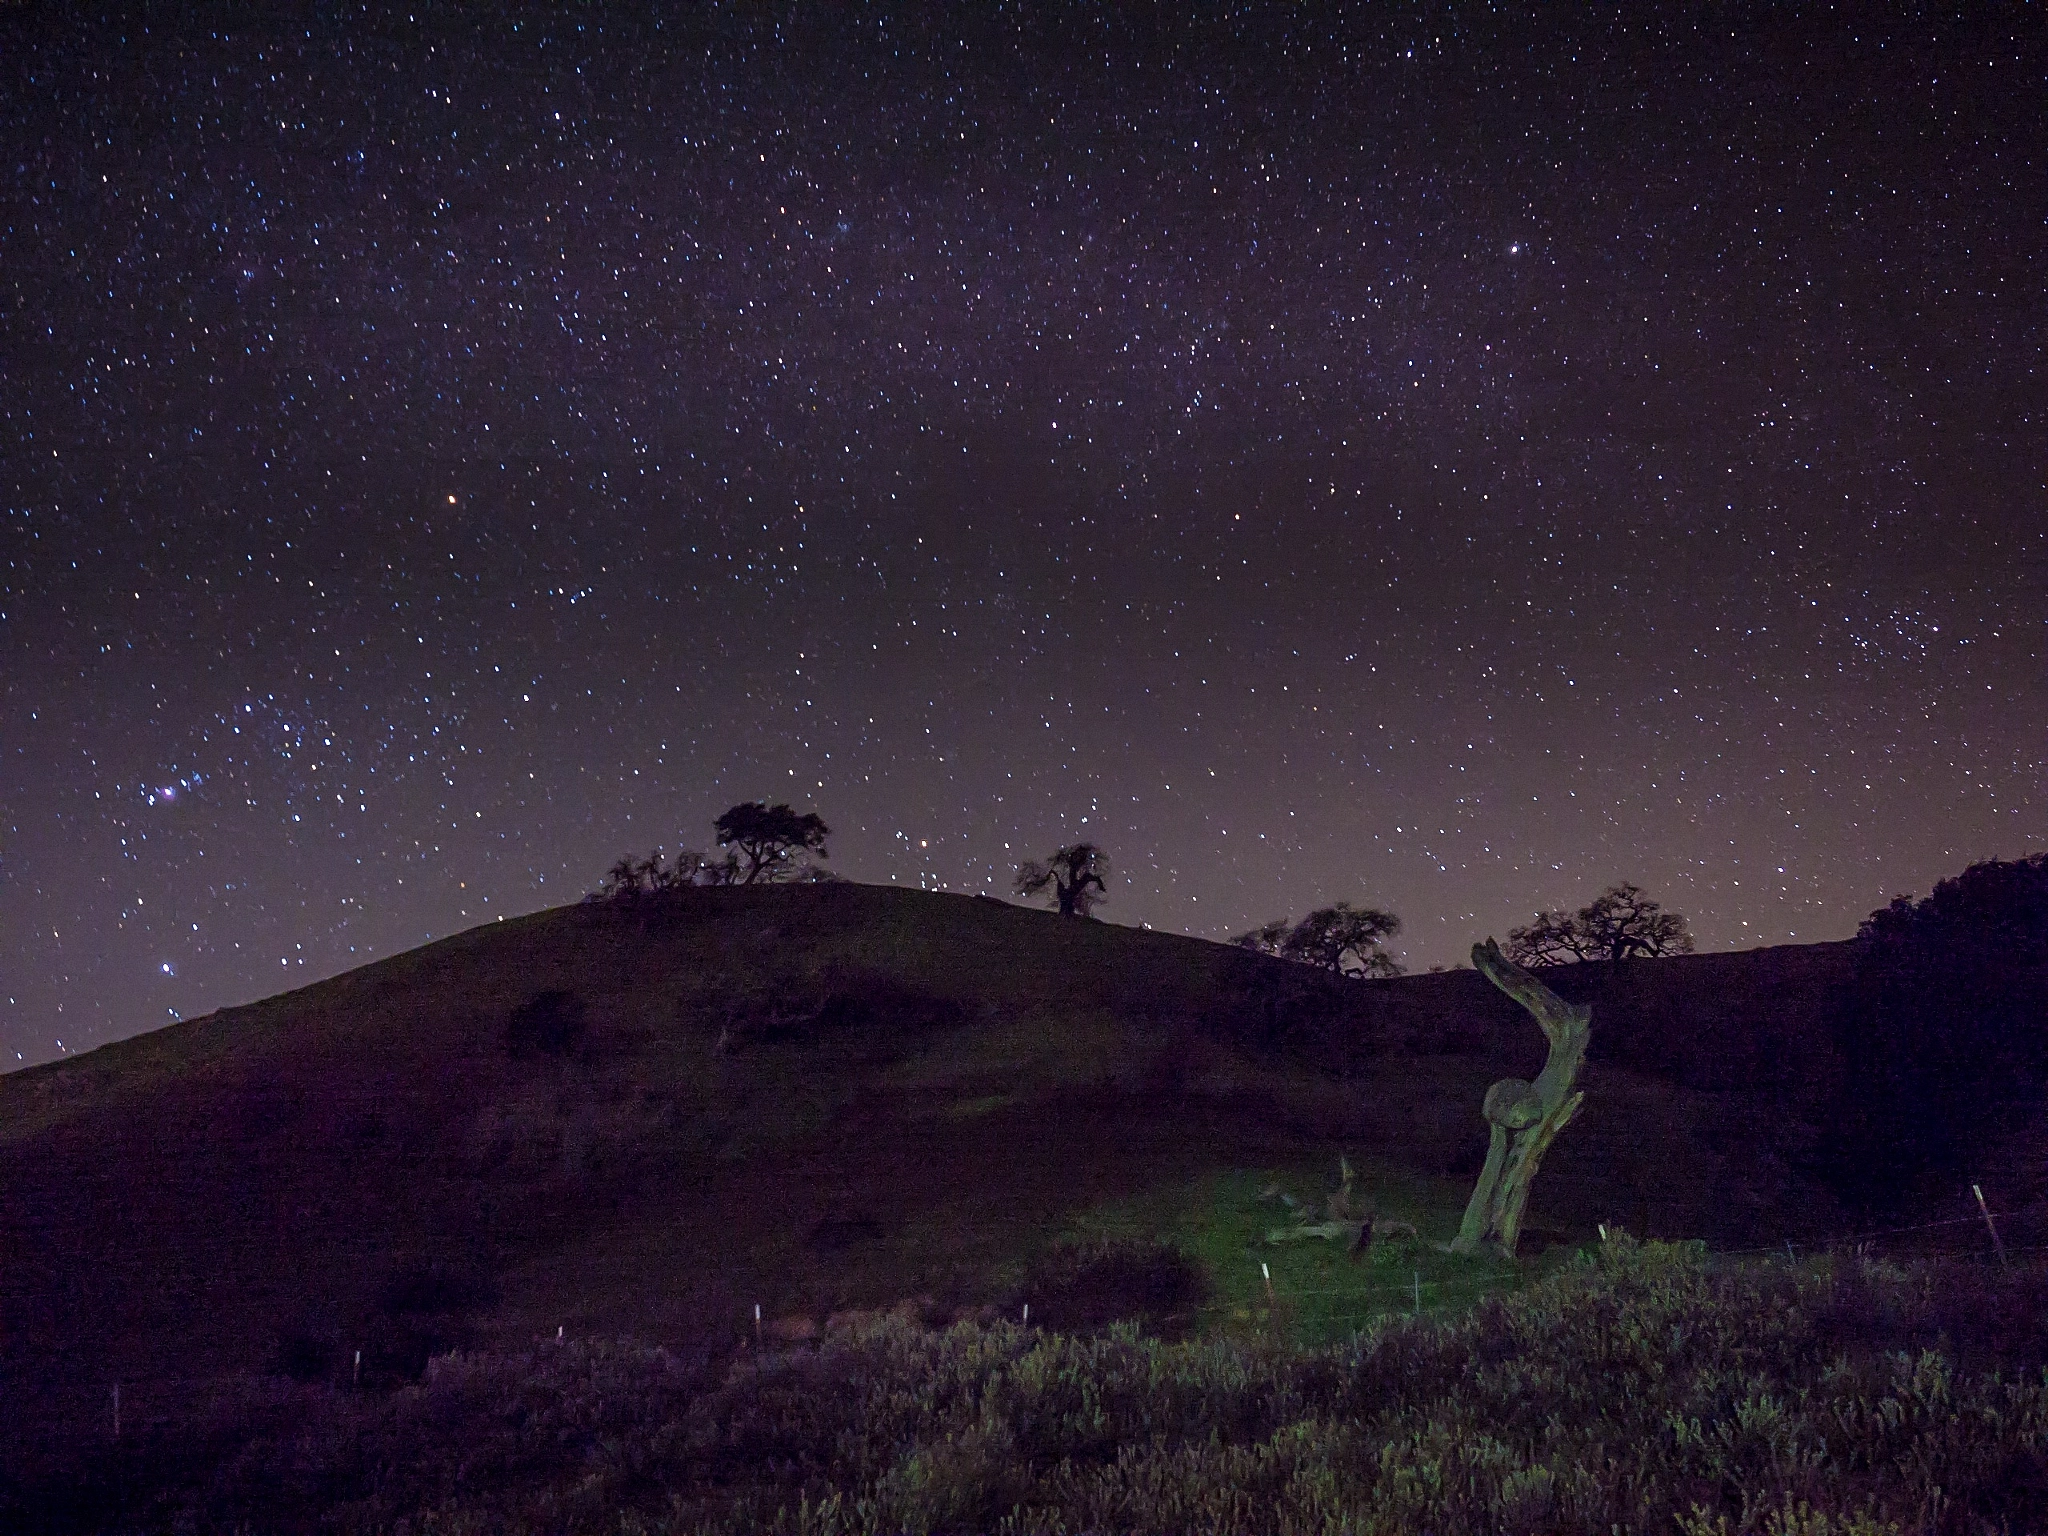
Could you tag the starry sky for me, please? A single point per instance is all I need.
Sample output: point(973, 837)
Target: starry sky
point(1434, 456)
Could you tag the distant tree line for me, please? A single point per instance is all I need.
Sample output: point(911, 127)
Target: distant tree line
point(1619, 923)
point(761, 843)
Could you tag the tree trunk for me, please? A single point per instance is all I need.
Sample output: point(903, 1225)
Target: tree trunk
point(1479, 1209)
point(1525, 1117)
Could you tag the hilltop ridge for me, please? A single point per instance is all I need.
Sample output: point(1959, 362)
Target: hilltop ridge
point(809, 1097)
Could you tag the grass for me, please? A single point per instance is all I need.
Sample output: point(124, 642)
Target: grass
point(1320, 1291)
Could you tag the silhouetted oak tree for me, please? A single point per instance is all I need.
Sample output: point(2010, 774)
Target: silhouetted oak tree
point(1553, 938)
point(632, 879)
point(1341, 938)
point(1344, 939)
point(1074, 874)
point(1265, 939)
point(771, 839)
point(1621, 921)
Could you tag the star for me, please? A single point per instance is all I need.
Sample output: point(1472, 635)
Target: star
point(983, 459)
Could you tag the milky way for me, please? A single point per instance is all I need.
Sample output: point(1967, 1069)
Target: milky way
point(1428, 458)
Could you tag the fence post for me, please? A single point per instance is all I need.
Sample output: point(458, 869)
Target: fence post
point(1996, 1241)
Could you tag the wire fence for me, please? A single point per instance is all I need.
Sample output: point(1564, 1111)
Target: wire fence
point(1823, 1242)
point(1417, 1293)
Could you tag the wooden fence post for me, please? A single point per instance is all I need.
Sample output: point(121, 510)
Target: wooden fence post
point(1996, 1241)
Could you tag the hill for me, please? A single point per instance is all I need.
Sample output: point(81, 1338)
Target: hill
point(646, 1120)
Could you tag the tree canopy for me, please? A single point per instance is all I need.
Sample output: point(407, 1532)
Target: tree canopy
point(1999, 904)
point(1944, 1035)
point(761, 842)
point(631, 879)
point(772, 840)
point(1618, 923)
point(1075, 876)
point(1343, 938)
point(1265, 939)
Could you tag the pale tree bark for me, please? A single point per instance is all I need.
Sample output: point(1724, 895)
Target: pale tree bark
point(1525, 1117)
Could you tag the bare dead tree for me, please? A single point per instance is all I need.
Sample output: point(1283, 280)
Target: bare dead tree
point(1525, 1117)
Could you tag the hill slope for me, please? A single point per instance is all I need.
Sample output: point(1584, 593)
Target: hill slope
point(808, 1098)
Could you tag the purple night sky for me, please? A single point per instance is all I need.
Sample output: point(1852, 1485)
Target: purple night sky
point(1418, 456)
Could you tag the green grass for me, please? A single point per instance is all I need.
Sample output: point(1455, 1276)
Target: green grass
point(1320, 1292)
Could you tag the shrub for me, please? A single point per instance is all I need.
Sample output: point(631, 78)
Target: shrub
point(1649, 1388)
point(1085, 1285)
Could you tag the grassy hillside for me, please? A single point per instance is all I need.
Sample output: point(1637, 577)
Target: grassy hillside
point(821, 1098)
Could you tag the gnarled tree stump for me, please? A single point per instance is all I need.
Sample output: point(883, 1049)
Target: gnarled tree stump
point(1525, 1117)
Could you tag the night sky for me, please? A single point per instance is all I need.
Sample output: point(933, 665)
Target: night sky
point(1422, 456)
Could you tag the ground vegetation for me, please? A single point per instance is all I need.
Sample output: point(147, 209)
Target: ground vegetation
point(1644, 1387)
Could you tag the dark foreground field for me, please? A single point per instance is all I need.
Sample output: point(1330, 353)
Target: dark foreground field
point(1644, 1389)
point(321, 1247)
